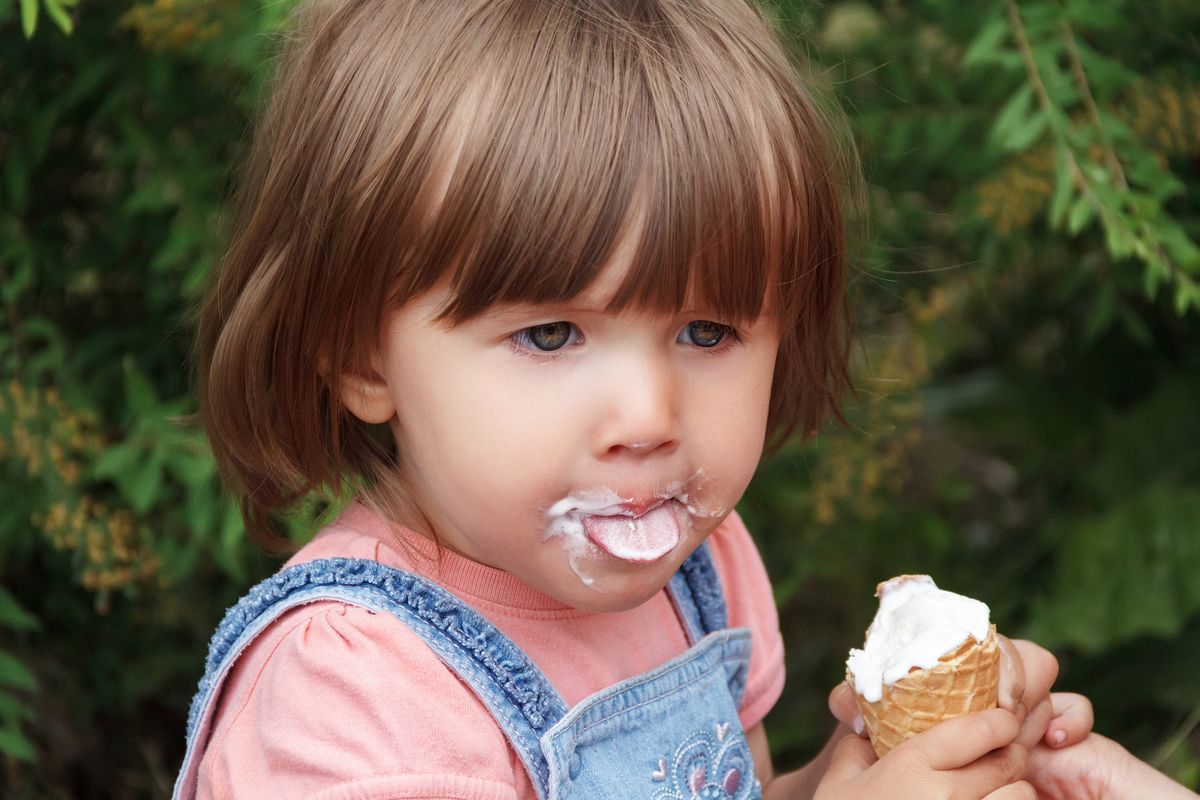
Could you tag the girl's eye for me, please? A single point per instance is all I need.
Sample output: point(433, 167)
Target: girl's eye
point(704, 333)
point(546, 338)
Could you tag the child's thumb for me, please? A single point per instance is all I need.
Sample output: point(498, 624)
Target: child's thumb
point(844, 708)
point(852, 755)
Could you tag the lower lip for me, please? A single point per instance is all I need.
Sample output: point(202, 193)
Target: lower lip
point(637, 540)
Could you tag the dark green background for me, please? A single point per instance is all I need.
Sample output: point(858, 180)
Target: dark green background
point(1025, 427)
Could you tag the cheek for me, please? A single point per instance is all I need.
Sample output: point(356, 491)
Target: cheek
point(488, 438)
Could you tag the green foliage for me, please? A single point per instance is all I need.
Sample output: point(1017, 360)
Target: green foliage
point(57, 10)
point(1024, 430)
point(1025, 425)
point(118, 550)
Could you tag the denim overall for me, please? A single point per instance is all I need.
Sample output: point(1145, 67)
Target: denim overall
point(669, 734)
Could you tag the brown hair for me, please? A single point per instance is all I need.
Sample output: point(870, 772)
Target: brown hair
point(501, 144)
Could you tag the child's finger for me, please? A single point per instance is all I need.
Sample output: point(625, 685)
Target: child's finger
point(1072, 720)
point(851, 756)
point(992, 772)
point(959, 741)
point(845, 709)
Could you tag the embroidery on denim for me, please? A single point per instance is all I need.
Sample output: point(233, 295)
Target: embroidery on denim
point(711, 764)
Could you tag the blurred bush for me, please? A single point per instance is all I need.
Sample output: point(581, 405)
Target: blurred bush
point(1025, 428)
point(1027, 359)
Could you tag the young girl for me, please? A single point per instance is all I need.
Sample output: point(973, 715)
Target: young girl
point(539, 280)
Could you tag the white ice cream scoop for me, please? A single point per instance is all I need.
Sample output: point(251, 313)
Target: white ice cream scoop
point(929, 655)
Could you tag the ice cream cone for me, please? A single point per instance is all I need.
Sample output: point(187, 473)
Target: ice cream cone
point(965, 680)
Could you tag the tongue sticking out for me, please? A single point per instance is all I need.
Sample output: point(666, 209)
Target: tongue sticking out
point(637, 539)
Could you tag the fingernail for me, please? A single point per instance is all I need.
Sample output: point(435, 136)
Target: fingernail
point(1058, 737)
point(858, 724)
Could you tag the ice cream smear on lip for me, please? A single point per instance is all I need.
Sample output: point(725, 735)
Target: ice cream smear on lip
point(916, 625)
point(635, 531)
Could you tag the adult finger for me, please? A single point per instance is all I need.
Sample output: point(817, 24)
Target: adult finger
point(1041, 670)
point(1033, 728)
point(959, 741)
point(845, 709)
point(851, 756)
point(1012, 677)
point(1021, 790)
point(1071, 721)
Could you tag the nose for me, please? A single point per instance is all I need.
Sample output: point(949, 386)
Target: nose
point(640, 415)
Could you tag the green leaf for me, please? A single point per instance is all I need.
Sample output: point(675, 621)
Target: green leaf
point(139, 392)
point(141, 487)
point(13, 616)
point(201, 514)
point(192, 469)
point(1187, 295)
point(1081, 214)
point(14, 744)
point(1118, 239)
point(20, 279)
point(11, 708)
point(14, 673)
point(1025, 134)
point(1013, 113)
point(29, 15)
point(1094, 15)
point(985, 47)
point(56, 12)
point(229, 545)
point(1064, 189)
point(116, 461)
point(177, 246)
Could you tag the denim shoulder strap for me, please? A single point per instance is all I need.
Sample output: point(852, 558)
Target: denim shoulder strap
point(696, 592)
point(514, 690)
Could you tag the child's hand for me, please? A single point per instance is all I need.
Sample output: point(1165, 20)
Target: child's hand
point(967, 758)
point(1027, 672)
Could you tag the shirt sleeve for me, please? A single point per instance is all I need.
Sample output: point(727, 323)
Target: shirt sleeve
point(340, 703)
point(751, 604)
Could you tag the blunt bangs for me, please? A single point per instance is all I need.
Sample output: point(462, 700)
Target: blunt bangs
point(649, 119)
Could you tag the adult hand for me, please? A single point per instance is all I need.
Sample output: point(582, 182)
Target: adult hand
point(1098, 769)
point(1027, 671)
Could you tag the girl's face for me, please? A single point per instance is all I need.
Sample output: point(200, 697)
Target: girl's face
point(587, 453)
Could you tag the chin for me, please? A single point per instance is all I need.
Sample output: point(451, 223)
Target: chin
point(608, 603)
point(620, 592)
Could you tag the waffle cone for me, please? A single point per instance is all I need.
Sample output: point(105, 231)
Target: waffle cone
point(963, 681)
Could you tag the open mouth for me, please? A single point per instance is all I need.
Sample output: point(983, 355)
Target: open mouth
point(644, 532)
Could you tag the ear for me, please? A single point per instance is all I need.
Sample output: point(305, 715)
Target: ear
point(363, 391)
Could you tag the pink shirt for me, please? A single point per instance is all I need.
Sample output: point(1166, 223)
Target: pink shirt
point(334, 701)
